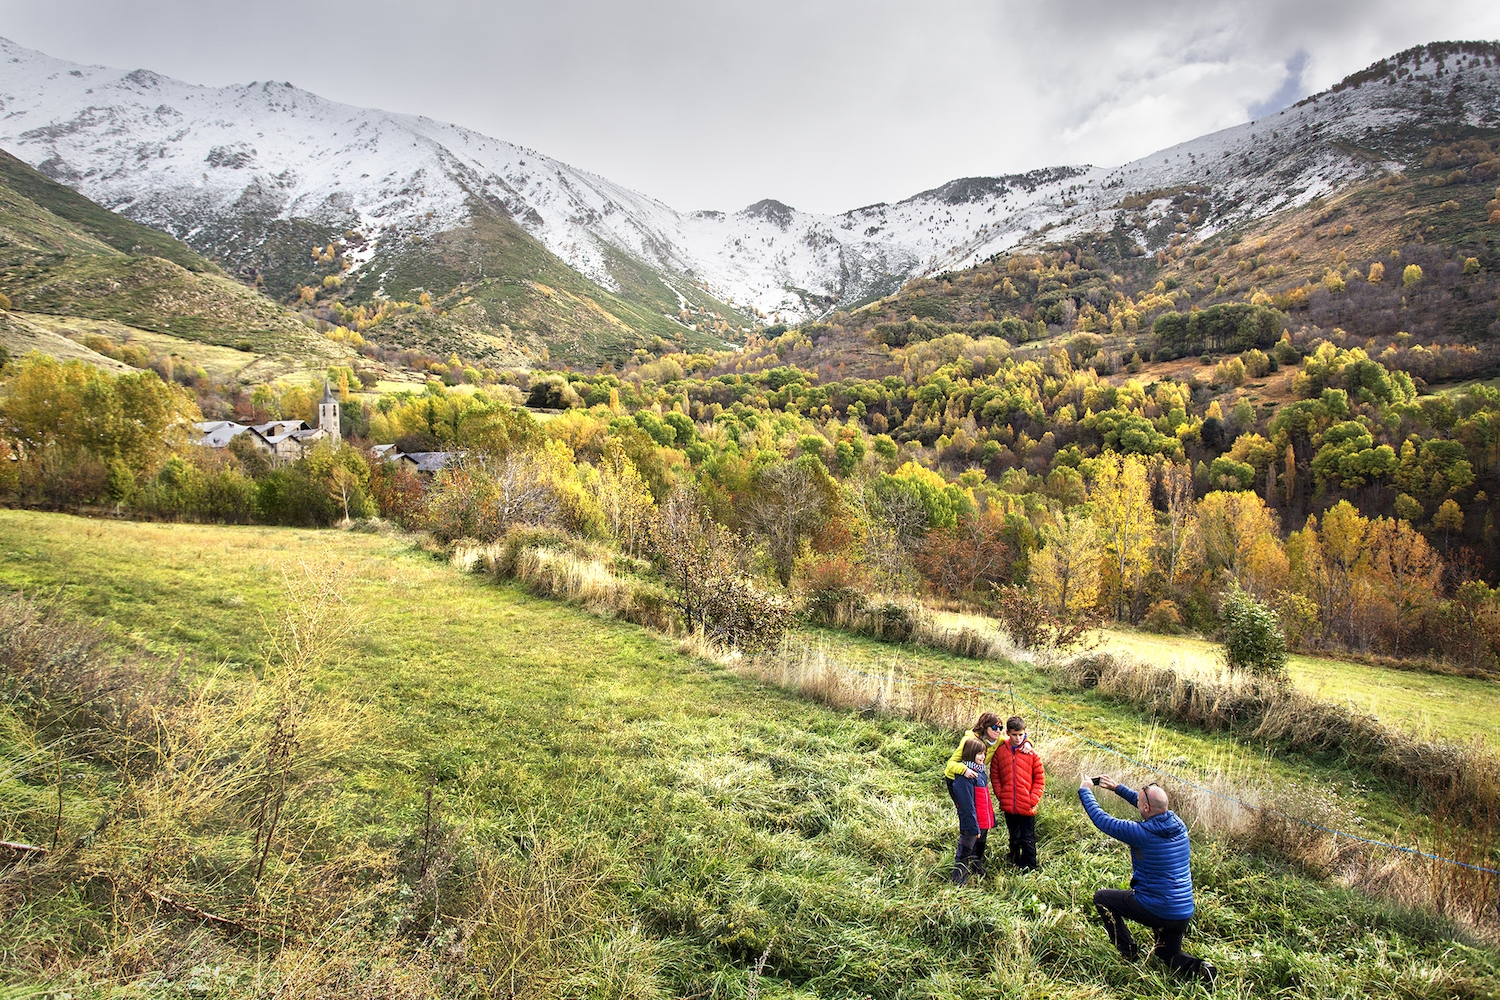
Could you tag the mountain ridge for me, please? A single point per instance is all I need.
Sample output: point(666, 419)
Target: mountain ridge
point(220, 165)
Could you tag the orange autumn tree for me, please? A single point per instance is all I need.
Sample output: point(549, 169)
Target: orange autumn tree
point(1403, 572)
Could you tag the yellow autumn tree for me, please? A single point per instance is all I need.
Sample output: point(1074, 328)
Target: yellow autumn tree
point(1234, 534)
point(1342, 540)
point(1126, 521)
point(1172, 529)
point(1403, 571)
point(1065, 571)
point(623, 498)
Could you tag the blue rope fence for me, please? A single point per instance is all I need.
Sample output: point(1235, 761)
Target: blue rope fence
point(1010, 692)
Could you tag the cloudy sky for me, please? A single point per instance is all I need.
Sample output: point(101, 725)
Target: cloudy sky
point(823, 104)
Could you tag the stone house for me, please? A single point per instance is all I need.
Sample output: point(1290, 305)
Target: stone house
point(283, 440)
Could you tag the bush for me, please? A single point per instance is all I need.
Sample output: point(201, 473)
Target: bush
point(1032, 624)
point(739, 616)
point(1163, 617)
point(1252, 636)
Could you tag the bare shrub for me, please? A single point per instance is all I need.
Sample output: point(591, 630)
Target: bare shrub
point(1033, 624)
point(704, 563)
point(480, 497)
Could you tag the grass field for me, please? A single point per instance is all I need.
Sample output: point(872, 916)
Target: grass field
point(684, 822)
point(1455, 709)
point(221, 363)
point(1429, 705)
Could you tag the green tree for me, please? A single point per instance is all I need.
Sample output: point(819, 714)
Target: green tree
point(74, 407)
point(1252, 636)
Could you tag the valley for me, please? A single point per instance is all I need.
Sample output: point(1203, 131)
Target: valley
point(429, 569)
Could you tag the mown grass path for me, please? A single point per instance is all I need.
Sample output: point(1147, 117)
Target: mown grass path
point(715, 820)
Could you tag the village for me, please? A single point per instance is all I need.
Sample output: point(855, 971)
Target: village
point(286, 441)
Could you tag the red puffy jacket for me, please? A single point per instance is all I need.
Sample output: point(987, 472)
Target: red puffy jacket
point(1017, 778)
point(984, 811)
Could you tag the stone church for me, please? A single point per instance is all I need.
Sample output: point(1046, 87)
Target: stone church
point(283, 440)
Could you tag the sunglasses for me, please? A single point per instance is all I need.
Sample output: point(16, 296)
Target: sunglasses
point(995, 728)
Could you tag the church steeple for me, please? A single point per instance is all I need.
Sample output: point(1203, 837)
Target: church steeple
point(328, 413)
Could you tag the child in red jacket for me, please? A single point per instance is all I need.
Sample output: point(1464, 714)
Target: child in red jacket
point(1017, 776)
point(984, 809)
point(976, 814)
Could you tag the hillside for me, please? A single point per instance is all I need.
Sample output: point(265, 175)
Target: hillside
point(64, 259)
point(431, 208)
point(260, 175)
point(1334, 267)
point(600, 815)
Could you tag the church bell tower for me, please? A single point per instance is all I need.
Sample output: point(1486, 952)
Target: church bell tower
point(328, 414)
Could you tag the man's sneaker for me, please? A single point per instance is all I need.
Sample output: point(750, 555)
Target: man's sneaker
point(1209, 973)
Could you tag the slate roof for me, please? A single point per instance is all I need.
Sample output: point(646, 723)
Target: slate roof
point(430, 461)
point(218, 433)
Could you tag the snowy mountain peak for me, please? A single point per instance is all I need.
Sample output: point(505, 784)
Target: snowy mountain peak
point(233, 163)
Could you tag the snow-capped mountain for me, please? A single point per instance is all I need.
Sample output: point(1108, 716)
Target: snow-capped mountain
point(192, 160)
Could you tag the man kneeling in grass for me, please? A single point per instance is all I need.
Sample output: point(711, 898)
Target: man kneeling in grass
point(1161, 884)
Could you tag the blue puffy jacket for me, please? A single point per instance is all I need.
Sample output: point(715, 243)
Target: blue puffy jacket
point(1159, 853)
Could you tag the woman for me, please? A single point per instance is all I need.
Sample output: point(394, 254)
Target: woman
point(959, 776)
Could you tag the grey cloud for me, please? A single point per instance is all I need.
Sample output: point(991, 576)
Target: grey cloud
point(1290, 90)
point(822, 104)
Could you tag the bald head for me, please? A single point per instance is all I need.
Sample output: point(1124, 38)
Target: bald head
point(1153, 801)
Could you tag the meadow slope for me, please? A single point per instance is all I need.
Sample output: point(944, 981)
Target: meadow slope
point(677, 823)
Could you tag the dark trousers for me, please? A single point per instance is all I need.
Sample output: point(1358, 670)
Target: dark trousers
point(1118, 905)
point(968, 857)
point(1022, 840)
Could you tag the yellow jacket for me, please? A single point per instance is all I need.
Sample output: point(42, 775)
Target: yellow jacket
point(956, 765)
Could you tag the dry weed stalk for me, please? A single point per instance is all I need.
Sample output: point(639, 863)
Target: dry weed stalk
point(193, 768)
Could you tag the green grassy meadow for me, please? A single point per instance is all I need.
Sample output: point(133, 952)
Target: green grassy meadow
point(1456, 709)
point(678, 823)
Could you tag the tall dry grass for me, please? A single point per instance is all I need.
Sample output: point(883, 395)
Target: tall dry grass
point(904, 622)
point(1290, 823)
point(208, 856)
point(196, 810)
point(815, 674)
point(552, 564)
